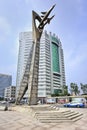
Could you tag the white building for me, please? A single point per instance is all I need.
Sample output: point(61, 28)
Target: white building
point(25, 44)
point(10, 92)
point(51, 63)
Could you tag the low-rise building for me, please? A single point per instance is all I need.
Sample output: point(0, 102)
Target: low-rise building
point(10, 92)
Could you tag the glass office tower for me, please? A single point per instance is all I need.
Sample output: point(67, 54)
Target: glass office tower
point(5, 81)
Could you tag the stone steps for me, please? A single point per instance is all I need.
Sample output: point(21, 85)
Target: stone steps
point(74, 116)
point(71, 114)
point(51, 115)
point(55, 121)
point(77, 118)
point(67, 112)
point(56, 116)
point(42, 109)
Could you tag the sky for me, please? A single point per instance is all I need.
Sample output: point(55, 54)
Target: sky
point(69, 24)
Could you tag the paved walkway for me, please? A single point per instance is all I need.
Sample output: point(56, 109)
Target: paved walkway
point(15, 120)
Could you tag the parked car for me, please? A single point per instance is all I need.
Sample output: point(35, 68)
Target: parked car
point(3, 102)
point(74, 104)
point(50, 100)
point(61, 101)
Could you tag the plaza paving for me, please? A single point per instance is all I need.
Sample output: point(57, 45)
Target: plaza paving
point(22, 118)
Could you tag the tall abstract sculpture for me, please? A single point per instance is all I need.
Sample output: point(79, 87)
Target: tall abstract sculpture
point(31, 77)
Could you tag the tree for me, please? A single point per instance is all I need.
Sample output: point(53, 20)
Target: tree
point(61, 92)
point(74, 88)
point(57, 92)
point(84, 88)
point(65, 90)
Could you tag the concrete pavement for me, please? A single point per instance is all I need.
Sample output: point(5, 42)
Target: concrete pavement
point(22, 118)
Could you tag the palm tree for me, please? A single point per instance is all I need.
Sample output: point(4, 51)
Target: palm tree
point(65, 89)
point(84, 88)
point(74, 88)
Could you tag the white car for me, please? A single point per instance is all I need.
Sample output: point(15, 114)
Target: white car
point(3, 102)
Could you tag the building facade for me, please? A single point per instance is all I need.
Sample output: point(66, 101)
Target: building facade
point(51, 76)
point(5, 81)
point(25, 44)
point(51, 66)
point(10, 93)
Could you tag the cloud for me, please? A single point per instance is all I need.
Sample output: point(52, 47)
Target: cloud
point(75, 64)
point(27, 1)
point(14, 49)
point(76, 57)
point(79, 5)
point(5, 29)
point(4, 26)
point(31, 2)
point(36, 5)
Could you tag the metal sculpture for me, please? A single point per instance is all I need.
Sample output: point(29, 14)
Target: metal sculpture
point(32, 80)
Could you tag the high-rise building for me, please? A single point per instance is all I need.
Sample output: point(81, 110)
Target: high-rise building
point(5, 81)
point(25, 44)
point(51, 76)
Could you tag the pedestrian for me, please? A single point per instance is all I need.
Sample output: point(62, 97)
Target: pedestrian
point(6, 106)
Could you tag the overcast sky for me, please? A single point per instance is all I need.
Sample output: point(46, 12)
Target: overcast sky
point(69, 23)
